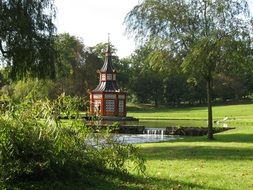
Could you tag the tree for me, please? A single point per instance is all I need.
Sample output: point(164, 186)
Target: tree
point(76, 65)
point(124, 70)
point(226, 87)
point(175, 88)
point(145, 82)
point(70, 58)
point(26, 37)
point(100, 49)
point(208, 36)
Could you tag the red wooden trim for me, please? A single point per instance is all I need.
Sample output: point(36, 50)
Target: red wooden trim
point(91, 103)
point(124, 107)
point(102, 112)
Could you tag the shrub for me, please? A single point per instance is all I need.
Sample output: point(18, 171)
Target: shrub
point(35, 143)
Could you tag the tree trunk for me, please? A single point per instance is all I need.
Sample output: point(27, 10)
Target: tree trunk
point(156, 102)
point(210, 114)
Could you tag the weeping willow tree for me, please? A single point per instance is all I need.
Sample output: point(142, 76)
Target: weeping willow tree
point(205, 37)
point(26, 37)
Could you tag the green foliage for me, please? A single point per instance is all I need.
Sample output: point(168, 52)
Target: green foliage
point(188, 163)
point(29, 89)
point(142, 87)
point(71, 52)
point(36, 144)
point(226, 87)
point(26, 37)
point(204, 37)
point(76, 66)
point(124, 71)
point(100, 49)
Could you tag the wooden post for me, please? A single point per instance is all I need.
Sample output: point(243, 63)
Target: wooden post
point(102, 112)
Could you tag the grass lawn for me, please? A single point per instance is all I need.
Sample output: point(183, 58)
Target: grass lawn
point(237, 114)
point(190, 163)
point(195, 163)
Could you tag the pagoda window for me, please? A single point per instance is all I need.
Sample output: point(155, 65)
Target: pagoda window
point(103, 77)
point(97, 96)
point(110, 96)
point(109, 105)
point(121, 97)
point(109, 76)
point(121, 106)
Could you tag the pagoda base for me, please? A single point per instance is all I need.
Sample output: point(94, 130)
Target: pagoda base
point(110, 120)
point(117, 118)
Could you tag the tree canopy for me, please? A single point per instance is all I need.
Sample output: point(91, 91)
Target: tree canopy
point(26, 37)
point(76, 65)
point(204, 37)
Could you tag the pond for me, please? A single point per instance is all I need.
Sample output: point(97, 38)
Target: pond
point(149, 135)
point(154, 130)
point(144, 138)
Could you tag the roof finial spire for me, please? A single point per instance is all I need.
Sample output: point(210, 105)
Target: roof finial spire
point(108, 38)
point(108, 51)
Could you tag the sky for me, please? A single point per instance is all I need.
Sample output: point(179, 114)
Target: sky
point(92, 20)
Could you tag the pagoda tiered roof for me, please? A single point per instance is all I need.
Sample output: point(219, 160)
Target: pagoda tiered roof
point(107, 68)
point(107, 86)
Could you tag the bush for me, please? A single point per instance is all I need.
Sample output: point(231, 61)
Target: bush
point(36, 144)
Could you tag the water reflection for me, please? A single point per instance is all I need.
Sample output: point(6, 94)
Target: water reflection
point(143, 138)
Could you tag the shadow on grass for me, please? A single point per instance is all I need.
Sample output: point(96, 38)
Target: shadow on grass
point(219, 138)
point(237, 137)
point(110, 182)
point(170, 184)
point(211, 151)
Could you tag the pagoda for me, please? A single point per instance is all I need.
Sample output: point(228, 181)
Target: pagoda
point(107, 99)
